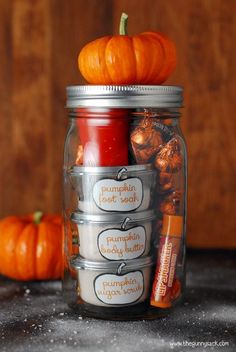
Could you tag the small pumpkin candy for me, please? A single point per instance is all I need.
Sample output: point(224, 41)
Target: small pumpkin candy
point(31, 247)
point(147, 58)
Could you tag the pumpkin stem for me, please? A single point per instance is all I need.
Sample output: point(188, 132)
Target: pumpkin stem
point(123, 24)
point(37, 216)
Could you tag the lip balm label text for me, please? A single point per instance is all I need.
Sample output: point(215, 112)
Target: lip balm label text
point(113, 195)
point(119, 289)
point(115, 244)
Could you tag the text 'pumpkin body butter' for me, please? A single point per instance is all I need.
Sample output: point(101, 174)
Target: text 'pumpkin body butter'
point(31, 247)
point(146, 58)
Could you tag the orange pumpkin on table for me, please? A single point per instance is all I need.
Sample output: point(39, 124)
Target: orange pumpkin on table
point(31, 247)
point(146, 58)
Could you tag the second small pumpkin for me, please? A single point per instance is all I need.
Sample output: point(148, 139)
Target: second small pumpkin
point(31, 247)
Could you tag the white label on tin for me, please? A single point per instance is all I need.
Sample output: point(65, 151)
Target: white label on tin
point(123, 195)
point(115, 244)
point(119, 289)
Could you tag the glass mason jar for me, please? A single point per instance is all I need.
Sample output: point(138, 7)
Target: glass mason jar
point(124, 201)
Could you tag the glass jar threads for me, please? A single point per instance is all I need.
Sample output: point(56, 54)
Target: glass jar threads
point(124, 201)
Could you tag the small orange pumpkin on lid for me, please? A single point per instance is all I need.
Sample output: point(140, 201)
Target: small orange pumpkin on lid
point(146, 58)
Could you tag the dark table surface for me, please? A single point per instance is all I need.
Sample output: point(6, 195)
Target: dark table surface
point(34, 318)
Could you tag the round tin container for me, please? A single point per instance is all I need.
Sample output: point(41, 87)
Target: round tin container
point(116, 236)
point(113, 189)
point(113, 284)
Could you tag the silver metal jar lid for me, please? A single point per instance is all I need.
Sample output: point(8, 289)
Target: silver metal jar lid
point(111, 218)
point(130, 96)
point(80, 170)
point(117, 266)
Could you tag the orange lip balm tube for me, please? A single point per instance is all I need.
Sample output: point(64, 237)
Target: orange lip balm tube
point(164, 286)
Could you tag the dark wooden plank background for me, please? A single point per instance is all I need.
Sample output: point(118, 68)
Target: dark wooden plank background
point(39, 43)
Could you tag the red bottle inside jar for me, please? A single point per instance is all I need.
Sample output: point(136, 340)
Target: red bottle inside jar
point(104, 136)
